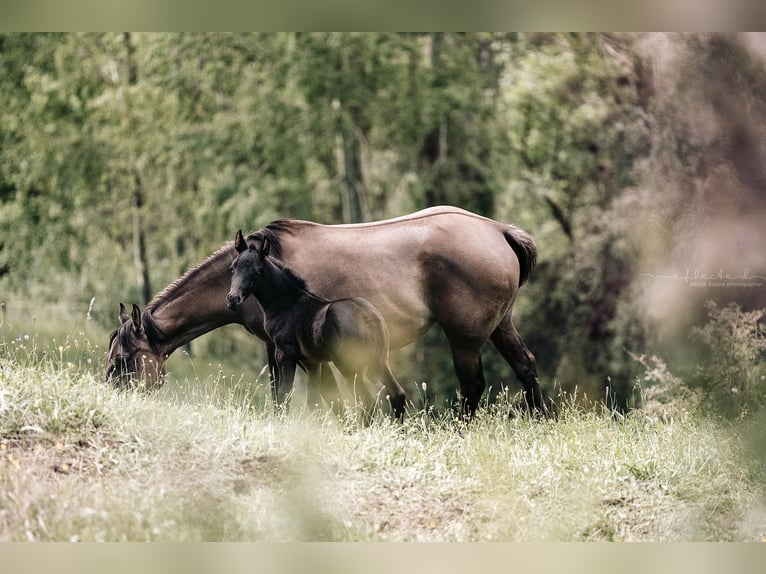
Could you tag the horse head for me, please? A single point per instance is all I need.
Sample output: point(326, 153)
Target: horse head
point(132, 360)
point(246, 269)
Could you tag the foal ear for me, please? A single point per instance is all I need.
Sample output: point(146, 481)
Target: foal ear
point(136, 317)
point(265, 247)
point(123, 313)
point(239, 242)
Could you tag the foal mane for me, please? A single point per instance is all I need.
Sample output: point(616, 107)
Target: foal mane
point(291, 275)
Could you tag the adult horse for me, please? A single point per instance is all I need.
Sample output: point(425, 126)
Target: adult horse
point(440, 265)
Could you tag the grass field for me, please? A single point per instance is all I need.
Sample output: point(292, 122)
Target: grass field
point(81, 461)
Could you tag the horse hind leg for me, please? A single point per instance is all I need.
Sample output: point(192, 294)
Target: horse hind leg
point(466, 358)
point(513, 349)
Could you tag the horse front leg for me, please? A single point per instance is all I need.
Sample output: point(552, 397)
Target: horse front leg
point(470, 374)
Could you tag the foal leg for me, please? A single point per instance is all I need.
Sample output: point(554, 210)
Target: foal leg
point(271, 351)
point(396, 392)
point(352, 370)
point(354, 379)
point(466, 357)
point(508, 341)
point(286, 370)
point(396, 396)
point(328, 388)
point(313, 384)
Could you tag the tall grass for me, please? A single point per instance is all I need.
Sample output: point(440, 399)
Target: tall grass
point(82, 461)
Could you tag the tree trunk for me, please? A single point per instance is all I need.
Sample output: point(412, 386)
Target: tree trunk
point(353, 198)
point(433, 151)
point(140, 259)
point(351, 172)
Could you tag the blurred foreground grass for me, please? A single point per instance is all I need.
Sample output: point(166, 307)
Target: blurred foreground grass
point(81, 461)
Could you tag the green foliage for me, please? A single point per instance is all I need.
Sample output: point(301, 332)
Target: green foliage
point(729, 378)
point(577, 133)
point(732, 376)
point(663, 395)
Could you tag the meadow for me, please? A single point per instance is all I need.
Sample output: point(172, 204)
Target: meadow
point(210, 458)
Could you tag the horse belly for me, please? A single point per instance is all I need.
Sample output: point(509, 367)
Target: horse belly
point(393, 286)
point(356, 335)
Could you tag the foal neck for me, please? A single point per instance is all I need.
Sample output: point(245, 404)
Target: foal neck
point(281, 287)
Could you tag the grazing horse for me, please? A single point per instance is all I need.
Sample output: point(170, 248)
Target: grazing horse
point(310, 330)
point(440, 265)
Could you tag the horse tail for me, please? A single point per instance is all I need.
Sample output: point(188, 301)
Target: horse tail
point(524, 246)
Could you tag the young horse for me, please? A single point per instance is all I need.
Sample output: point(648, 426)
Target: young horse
point(309, 330)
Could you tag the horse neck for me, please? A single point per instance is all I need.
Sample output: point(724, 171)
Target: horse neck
point(192, 305)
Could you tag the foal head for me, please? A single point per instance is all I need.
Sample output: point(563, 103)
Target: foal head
point(246, 269)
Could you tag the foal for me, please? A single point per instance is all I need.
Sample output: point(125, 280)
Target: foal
point(309, 330)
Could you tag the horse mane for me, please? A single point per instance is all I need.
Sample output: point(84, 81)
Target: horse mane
point(521, 243)
point(165, 294)
point(273, 232)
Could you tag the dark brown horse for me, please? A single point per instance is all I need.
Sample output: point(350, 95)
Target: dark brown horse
point(311, 330)
point(441, 265)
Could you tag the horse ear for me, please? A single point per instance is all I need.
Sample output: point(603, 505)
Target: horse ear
point(123, 313)
point(136, 317)
point(239, 242)
point(265, 247)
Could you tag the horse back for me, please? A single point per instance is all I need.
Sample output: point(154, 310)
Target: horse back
point(417, 269)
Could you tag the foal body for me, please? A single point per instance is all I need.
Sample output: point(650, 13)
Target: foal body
point(310, 330)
